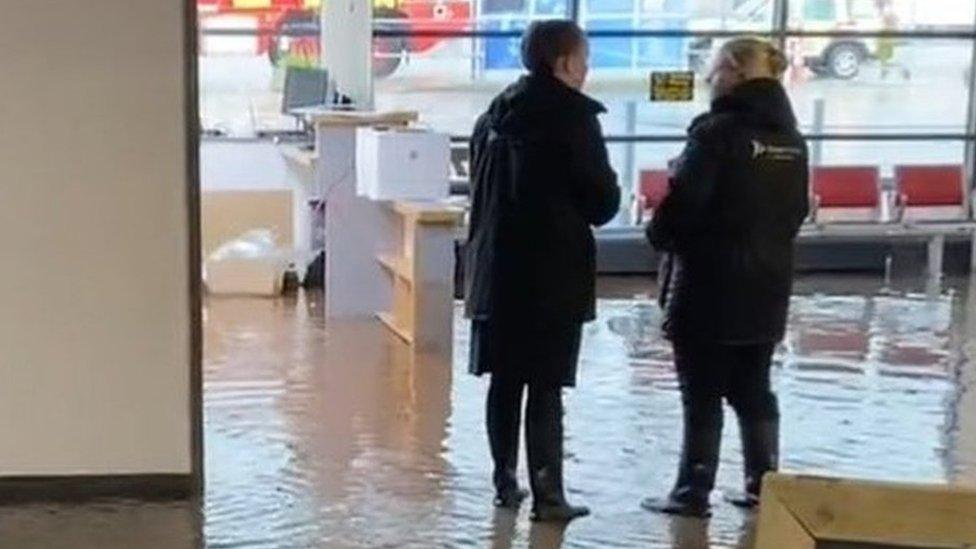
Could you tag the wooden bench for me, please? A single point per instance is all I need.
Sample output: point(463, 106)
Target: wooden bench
point(801, 512)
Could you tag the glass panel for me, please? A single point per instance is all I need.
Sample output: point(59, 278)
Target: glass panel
point(620, 79)
point(631, 159)
point(877, 15)
point(918, 86)
point(872, 84)
point(881, 85)
point(510, 15)
point(922, 88)
point(522, 9)
point(450, 84)
point(242, 76)
point(886, 155)
point(503, 6)
point(819, 10)
point(440, 15)
point(689, 15)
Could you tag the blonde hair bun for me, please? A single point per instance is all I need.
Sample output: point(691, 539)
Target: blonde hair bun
point(750, 51)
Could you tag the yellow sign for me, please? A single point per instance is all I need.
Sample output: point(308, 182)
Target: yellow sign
point(672, 86)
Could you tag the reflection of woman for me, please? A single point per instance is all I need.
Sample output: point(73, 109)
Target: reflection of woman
point(540, 180)
point(738, 197)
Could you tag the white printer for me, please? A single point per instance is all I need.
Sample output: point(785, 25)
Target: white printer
point(402, 164)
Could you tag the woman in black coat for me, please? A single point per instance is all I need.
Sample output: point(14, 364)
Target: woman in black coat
point(738, 196)
point(540, 182)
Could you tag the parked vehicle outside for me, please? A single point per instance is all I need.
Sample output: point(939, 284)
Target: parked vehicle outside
point(289, 30)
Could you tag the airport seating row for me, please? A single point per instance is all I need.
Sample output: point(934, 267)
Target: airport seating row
point(855, 194)
point(926, 203)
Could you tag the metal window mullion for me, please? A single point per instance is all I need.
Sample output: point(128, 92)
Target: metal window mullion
point(970, 149)
point(574, 11)
point(477, 32)
point(781, 17)
point(853, 138)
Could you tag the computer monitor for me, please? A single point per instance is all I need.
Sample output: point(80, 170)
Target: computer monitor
point(305, 88)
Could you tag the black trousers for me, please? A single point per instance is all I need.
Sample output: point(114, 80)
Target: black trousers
point(543, 433)
point(711, 372)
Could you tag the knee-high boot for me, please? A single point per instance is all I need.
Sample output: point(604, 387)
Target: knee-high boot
point(698, 465)
point(544, 437)
point(760, 453)
point(503, 419)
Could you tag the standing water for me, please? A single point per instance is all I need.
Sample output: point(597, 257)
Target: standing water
point(321, 435)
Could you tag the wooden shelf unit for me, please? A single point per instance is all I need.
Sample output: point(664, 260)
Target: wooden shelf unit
point(400, 331)
point(396, 266)
point(421, 271)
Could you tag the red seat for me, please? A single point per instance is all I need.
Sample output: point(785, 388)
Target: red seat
point(930, 185)
point(653, 187)
point(846, 186)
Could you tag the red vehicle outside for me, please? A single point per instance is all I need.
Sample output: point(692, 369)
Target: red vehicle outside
point(290, 28)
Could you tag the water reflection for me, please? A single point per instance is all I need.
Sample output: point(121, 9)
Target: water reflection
point(503, 529)
point(961, 406)
point(334, 435)
point(688, 533)
point(347, 445)
point(546, 536)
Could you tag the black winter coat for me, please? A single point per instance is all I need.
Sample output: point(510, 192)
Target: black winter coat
point(540, 181)
point(738, 196)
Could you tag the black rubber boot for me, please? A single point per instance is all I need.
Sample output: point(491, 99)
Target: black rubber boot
point(760, 452)
point(503, 417)
point(544, 437)
point(549, 500)
point(697, 469)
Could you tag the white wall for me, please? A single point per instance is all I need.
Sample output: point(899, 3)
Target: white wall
point(94, 303)
point(242, 165)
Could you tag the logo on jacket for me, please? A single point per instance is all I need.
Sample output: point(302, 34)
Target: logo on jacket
point(775, 152)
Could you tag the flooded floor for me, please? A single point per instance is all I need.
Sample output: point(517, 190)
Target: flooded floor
point(322, 435)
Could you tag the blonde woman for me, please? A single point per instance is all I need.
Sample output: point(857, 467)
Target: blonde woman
point(738, 196)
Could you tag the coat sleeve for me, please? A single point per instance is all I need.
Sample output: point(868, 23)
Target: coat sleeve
point(476, 144)
point(476, 148)
point(684, 212)
point(804, 208)
point(597, 193)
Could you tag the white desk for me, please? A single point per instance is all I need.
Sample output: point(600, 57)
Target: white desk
point(373, 249)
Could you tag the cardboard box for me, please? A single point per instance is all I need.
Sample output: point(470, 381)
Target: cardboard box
point(820, 513)
point(402, 164)
point(258, 277)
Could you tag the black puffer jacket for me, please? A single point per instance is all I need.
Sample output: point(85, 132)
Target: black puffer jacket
point(540, 181)
point(738, 197)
